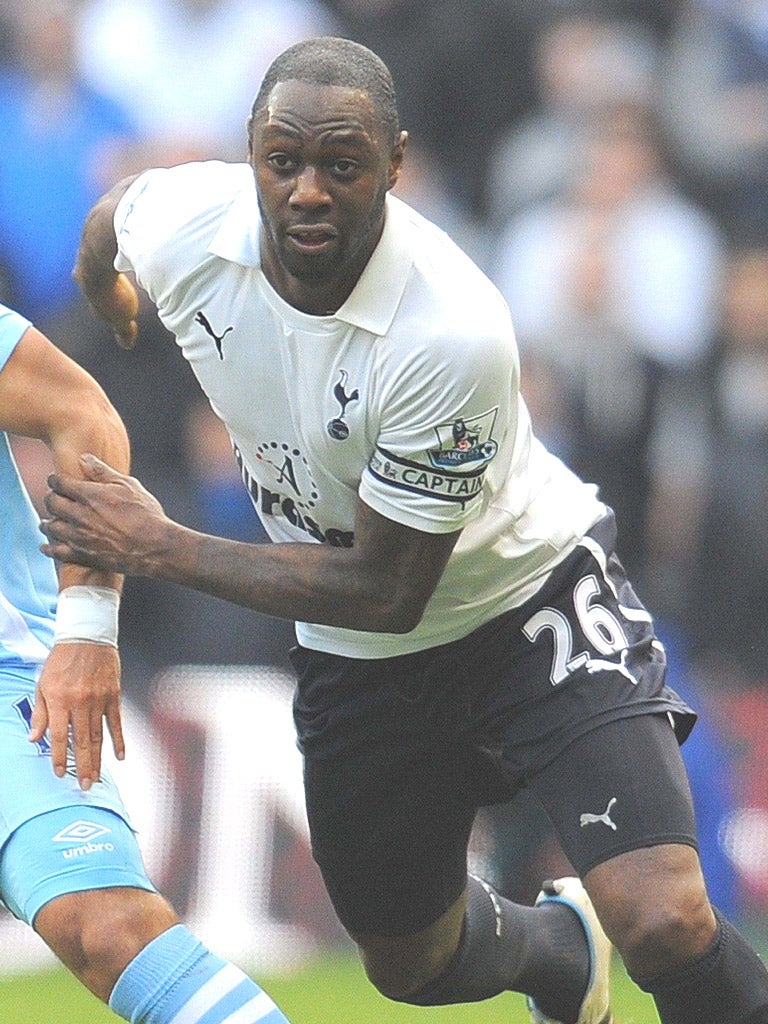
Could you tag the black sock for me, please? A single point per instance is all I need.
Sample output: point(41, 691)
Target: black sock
point(727, 985)
point(541, 951)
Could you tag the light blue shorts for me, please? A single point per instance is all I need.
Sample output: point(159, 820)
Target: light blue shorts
point(54, 838)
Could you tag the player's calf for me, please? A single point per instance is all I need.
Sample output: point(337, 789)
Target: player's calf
point(727, 984)
point(541, 951)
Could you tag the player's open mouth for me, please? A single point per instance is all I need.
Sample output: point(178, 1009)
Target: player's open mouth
point(313, 238)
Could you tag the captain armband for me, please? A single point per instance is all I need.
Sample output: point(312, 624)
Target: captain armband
point(87, 615)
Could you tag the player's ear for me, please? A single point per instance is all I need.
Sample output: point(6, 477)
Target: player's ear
point(249, 130)
point(396, 159)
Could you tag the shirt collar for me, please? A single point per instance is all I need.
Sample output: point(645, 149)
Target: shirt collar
point(374, 300)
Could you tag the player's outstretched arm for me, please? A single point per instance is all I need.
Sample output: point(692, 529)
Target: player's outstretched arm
point(381, 584)
point(45, 395)
point(111, 295)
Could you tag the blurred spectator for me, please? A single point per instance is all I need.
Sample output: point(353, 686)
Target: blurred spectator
point(394, 29)
point(715, 105)
point(465, 69)
point(188, 70)
point(582, 65)
point(613, 290)
point(58, 139)
point(657, 15)
point(462, 72)
point(475, 80)
point(729, 622)
point(423, 186)
point(7, 37)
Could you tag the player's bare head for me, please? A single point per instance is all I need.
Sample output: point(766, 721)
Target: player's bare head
point(331, 60)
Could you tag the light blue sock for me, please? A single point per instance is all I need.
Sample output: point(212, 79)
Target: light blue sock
point(176, 980)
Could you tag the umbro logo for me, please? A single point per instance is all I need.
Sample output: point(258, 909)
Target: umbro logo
point(202, 319)
point(83, 833)
point(80, 832)
point(600, 819)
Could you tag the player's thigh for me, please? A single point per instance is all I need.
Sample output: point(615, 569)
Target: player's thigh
point(620, 787)
point(390, 826)
point(29, 786)
point(68, 850)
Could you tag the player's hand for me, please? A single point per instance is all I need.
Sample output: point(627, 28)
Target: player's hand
point(107, 520)
point(116, 301)
point(79, 689)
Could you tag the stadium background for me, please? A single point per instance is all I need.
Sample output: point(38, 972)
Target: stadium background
point(606, 162)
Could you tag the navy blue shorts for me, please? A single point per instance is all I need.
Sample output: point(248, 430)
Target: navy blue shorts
point(401, 752)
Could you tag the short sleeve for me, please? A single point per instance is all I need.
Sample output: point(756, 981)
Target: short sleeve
point(167, 219)
point(446, 420)
point(142, 222)
point(13, 326)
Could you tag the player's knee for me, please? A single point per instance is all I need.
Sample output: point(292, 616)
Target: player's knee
point(667, 932)
point(400, 967)
point(398, 977)
point(97, 933)
point(654, 907)
point(397, 982)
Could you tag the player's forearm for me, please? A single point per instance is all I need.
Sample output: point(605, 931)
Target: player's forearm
point(308, 582)
point(382, 583)
point(94, 427)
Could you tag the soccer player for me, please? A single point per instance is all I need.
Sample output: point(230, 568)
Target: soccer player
point(69, 863)
point(465, 627)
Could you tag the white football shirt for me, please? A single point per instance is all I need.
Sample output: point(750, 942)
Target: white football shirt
point(408, 396)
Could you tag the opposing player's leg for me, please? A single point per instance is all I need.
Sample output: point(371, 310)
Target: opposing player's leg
point(71, 868)
point(630, 831)
point(91, 901)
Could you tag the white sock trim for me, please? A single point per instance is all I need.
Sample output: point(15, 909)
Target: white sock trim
point(255, 1009)
point(220, 985)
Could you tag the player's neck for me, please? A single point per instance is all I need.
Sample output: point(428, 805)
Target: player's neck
point(323, 296)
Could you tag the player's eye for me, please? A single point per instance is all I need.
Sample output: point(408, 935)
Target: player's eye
point(281, 162)
point(345, 168)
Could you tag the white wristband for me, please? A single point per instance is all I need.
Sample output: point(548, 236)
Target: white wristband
point(87, 614)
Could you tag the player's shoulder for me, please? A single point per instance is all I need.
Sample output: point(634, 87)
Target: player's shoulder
point(169, 216)
point(190, 191)
point(447, 278)
point(448, 297)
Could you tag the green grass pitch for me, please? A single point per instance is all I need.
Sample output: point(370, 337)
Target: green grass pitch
point(330, 991)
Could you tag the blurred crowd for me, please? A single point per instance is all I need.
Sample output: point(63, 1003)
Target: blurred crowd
point(605, 162)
